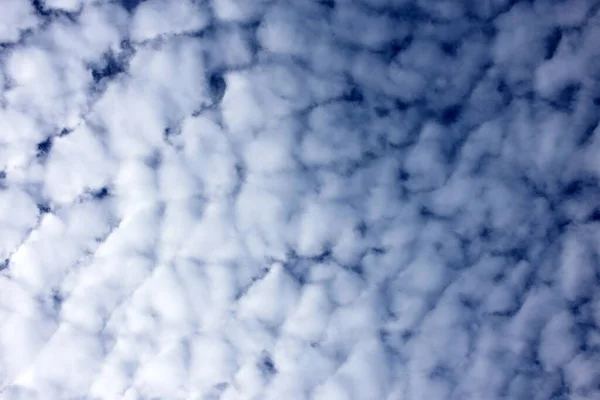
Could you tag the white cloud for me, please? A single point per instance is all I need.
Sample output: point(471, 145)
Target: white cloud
point(17, 17)
point(258, 302)
point(577, 270)
point(376, 29)
point(309, 319)
point(36, 81)
point(239, 10)
point(304, 200)
point(18, 216)
point(79, 354)
point(154, 18)
point(362, 382)
point(558, 343)
point(242, 110)
point(292, 30)
point(99, 29)
point(78, 162)
point(63, 5)
point(165, 374)
point(213, 363)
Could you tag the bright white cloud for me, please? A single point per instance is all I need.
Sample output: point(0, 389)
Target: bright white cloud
point(63, 5)
point(154, 18)
point(17, 16)
point(383, 199)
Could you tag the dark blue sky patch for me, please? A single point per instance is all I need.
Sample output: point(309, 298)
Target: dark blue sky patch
point(267, 366)
point(330, 4)
point(488, 29)
point(469, 303)
point(381, 111)
point(561, 392)
point(594, 216)
point(130, 5)
point(217, 86)
point(357, 269)
point(44, 208)
point(400, 105)
point(45, 12)
point(395, 47)
point(100, 193)
point(298, 267)
point(324, 256)
point(110, 67)
point(484, 233)
point(560, 224)
point(450, 115)
point(355, 95)
point(504, 90)
point(566, 98)
point(450, 48)
point(517, 254)
point(409, 12)
point(582, 312)
point(588, 132)
point(40, 9)
point(57, 300)
point(362, 228)
point(377, 250)
point(44, 147)
point(64, 132)
point(402, 175)
point(551, 42)
point(578, 187)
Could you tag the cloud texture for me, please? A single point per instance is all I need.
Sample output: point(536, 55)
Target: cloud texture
point(291, 199)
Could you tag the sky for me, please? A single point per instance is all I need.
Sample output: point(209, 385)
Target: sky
point(300, 199)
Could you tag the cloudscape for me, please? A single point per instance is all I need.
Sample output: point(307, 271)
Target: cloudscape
point(300, 199)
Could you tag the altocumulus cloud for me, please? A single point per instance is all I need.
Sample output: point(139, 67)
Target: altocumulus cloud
point(269, 199)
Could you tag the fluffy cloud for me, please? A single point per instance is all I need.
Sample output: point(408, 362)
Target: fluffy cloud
point(378, 199)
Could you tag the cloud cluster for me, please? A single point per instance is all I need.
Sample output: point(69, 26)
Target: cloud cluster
point(341, 200)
